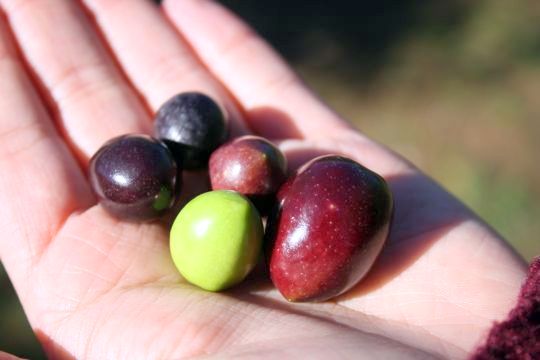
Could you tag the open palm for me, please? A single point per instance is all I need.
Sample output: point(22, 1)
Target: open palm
point(74, 75)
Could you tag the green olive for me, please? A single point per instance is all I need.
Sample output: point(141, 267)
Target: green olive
point(216, 239)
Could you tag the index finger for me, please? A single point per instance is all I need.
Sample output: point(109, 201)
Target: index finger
point(41, 183)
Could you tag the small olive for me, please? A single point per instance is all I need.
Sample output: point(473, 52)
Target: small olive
point(216, 239)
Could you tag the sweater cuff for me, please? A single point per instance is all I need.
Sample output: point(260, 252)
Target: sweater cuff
point(518, 337)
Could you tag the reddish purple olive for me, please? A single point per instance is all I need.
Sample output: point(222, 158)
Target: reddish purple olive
point(192, 125)
point(135, 177)
point(250, 165)
point(331, 223)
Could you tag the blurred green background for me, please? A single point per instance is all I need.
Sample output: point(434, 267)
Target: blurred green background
point(453, 85)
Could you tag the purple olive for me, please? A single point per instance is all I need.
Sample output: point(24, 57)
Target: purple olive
point(135, 177)
point(250, 165)
point(192, 125)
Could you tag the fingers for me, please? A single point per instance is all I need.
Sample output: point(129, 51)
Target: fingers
point(278, 105)
point(93, 100)
point(6, 356)
point(264, 85)
point(153, 56)
point(40, 182)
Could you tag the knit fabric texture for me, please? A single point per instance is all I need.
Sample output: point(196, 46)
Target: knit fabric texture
point(518, 337)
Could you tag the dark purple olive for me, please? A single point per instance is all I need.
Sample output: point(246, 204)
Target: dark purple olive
point(135, 177)
point(250, 165)
point(192, 125)
point(330, 225)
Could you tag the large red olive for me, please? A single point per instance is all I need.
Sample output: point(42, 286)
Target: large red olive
point(331, 223)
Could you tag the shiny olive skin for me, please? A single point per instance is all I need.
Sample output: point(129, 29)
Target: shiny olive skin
point(250, 165)
point(135, 177)
point(216, 239)
point(331, 223)
point(192, 125)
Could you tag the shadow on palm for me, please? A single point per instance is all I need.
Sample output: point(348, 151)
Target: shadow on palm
point(423, 211)
point(111, 271)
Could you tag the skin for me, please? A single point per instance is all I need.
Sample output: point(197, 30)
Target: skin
point(93, 287)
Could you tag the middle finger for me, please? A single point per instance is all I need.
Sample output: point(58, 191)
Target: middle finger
point(157, 61)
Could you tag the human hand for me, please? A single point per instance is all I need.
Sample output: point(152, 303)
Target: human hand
point(94, 287)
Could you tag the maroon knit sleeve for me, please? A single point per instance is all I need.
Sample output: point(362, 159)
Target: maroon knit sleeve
point(518, 337)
